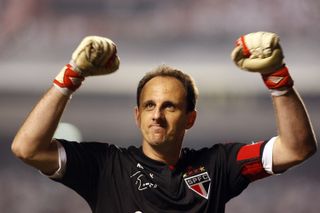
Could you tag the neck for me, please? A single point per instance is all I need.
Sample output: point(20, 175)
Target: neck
point(167, 155)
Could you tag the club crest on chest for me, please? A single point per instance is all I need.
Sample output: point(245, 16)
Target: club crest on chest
point(198, 180)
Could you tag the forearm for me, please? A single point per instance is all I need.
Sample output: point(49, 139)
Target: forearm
point(37, 131)
point(296, 141)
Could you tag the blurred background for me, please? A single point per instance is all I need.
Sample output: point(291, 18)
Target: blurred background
point(197, 36)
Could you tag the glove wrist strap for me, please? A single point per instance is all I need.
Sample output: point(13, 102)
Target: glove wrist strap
point(279, 82)
point(67, 81)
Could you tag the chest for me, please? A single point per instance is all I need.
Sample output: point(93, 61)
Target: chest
point(136, 185)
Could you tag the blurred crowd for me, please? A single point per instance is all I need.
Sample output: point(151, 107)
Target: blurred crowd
point(28, 27)
point(66, 20)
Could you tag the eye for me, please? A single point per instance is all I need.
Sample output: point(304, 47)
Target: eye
point(149, 106)
point(170, 106)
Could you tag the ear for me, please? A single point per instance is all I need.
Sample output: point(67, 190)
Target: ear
point(191, 119)
point(137, 116)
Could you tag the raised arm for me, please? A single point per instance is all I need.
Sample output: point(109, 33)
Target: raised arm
point(33, 143)
point(261, 52)
point(296, 141)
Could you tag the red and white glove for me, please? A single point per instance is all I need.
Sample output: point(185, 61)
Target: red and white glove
point(261, 52)
point(94, 56)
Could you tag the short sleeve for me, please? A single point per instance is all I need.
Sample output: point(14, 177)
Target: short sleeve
point(62, 158)
point(85, 161)
point(244, 165)
point(249, 158)
point(267, 156)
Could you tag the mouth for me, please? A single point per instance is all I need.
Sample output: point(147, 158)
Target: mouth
point(157, 128)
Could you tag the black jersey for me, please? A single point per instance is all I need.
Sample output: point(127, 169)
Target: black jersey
point(124, 180)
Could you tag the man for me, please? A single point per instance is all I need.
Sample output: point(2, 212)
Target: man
point(161, 176)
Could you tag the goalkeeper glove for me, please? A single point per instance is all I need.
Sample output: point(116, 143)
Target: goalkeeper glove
point(94, 56)
point(261, 52)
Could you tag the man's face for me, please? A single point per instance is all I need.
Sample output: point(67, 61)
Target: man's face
point(162, 116)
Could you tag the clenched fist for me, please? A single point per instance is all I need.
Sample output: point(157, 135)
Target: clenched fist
point(95, 55)
point(258, 52)
point(261, 52)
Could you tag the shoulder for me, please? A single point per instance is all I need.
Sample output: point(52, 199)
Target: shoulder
point(93, 149)
point(83, 146)
point(90, 145)
point(220, 153)
point(219, 148)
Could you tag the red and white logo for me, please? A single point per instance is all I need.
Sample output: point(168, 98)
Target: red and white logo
point(198, 180)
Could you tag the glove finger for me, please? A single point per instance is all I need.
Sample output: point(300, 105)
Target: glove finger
point(111, 66)
point(88, 50)
point(255, 40)
point(99, 52)
point(250, 41)
point(95, 56)
point(80, 58)
point(266, 40)
point(237, 54)
point(109, 50)
point(259, 44)
point(269, 42)
point(254, 43)
point(95, 52)
point(264, 65)
point(113, 63)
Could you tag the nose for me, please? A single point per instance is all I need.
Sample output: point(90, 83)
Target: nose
point(157, 115)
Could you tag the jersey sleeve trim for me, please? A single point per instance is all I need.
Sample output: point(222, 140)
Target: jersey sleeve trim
point(267, 156)
point(250, 158)
point(62, 158)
